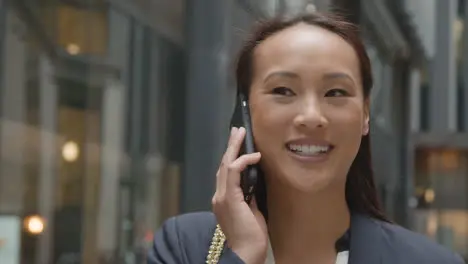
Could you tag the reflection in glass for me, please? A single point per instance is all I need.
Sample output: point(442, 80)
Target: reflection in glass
point(81, 30)
point(70, 78)
point(441, 187)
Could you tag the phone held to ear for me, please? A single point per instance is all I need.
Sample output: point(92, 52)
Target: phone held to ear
point(240, 118)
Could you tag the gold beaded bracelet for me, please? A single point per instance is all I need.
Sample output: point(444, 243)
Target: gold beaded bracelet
point(216, 247)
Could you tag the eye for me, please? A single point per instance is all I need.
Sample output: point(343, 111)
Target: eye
point(283, 91)
point(336, 93)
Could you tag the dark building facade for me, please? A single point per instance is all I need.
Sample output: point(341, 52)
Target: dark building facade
point(92, 101)
point(418, 52)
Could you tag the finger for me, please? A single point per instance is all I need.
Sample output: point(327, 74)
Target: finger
point(233, 149)
point(218, 182)
point(221, 175)
point(232, 135)
point(240, 164)
point(254, 207)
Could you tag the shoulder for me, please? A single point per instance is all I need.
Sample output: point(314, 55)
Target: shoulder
point(414, 247)
point(182, 238)
point(194, 227)
point(191, 222)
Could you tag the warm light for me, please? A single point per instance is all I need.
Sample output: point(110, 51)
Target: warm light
point(73, 49)
point(420, 191)
point(70, 151)
point(34, 224)
point(429, 195)
point(432, 224)
point(450, 160)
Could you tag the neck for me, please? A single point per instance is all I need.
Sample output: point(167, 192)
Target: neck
point(304, 227)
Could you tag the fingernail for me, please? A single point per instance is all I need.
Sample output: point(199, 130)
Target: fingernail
point(232, 130)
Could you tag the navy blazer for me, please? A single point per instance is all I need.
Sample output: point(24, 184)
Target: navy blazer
point(186, 238)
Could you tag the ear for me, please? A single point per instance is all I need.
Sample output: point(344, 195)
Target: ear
point(365, 124)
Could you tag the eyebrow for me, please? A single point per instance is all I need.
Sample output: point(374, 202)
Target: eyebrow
point(281, 74)
point(337, 75)
point(326, 76)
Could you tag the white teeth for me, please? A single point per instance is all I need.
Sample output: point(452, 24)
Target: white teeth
point(308, 149)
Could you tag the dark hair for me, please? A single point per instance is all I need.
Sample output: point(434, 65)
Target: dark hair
point(361, 194)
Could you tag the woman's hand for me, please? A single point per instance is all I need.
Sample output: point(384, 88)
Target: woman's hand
point(243, 225)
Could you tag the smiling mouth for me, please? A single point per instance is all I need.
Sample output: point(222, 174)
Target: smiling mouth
point(309, 150)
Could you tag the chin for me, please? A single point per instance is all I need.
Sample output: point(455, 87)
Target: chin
point(309, 186)
point(306, 181)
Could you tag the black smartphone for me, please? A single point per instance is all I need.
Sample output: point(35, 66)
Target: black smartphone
point(241, 117)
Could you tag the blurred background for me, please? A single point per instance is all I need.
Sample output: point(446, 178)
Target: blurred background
point(114, 115)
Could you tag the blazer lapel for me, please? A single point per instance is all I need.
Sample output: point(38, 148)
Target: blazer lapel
point(366, 244)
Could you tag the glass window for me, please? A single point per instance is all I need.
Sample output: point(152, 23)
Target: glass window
point(441, 187)
point(90, 129)
point(458, 27)
point(81, 31)
point(424, 97)
point(381, 97)
point(461, 40)
point(78, 27)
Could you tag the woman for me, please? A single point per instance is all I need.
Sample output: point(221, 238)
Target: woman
point(308, 81)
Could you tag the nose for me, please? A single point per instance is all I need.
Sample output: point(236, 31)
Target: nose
point(310, 115)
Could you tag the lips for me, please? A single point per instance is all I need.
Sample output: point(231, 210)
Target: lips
point(309, 150)
point(306, 149)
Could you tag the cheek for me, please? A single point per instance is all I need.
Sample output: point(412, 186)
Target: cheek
point(349, 121)
point(346, 126)
point(269, 125)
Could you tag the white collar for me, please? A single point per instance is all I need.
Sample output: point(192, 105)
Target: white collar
point(341, 258)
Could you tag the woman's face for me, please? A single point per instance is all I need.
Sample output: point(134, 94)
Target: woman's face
point(308, 108)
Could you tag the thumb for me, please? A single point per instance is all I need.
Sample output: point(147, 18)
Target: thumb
point(260, 217)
